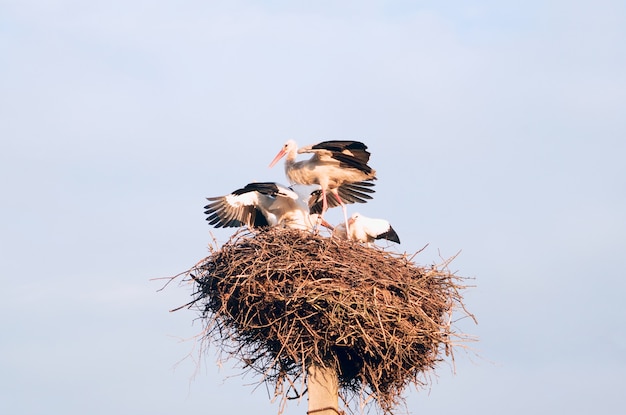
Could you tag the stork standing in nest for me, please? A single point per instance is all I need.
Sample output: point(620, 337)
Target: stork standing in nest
point(339, 167)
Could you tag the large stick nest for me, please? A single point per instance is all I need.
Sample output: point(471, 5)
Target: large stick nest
point(282, 299)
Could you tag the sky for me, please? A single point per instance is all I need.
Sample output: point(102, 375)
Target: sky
point(497, 131)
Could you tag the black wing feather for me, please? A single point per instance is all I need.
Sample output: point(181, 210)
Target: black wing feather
point(357, 192)
point(390, 235)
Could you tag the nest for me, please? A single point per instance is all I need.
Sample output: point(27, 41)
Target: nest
point(280, 300)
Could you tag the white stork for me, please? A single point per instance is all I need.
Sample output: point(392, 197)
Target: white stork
point(263, 204)
point(339, 167)
point(366, 230)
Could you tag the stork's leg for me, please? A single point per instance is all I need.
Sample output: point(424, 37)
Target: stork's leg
point(320, 217)
point(318, 224)
point(345, 218)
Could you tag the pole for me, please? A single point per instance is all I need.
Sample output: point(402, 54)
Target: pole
point(323, 390)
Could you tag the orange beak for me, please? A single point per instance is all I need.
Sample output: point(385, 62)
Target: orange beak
point(280, 155)
point(326, 224)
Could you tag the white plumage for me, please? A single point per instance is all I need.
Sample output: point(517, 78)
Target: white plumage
point(366, 230)
point(264, 204)
point(339, 167)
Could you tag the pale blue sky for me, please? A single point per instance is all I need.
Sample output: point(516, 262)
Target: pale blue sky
point(497, 129)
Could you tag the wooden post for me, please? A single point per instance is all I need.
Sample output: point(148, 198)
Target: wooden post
point(323, 390)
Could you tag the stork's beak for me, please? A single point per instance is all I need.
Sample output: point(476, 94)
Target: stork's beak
point(280, 154)
point(326, 224)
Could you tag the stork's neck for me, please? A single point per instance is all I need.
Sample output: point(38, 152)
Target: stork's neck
point(290, 159)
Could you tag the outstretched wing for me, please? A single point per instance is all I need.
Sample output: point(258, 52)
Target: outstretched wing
point(240, 208)
point(358, 192)
point(349, 154)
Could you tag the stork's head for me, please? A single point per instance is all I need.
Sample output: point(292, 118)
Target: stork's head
point(355, 217)
point(289, 147)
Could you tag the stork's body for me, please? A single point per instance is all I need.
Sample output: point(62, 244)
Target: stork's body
point(339, 167)
point(366, 230)
point(262, 204)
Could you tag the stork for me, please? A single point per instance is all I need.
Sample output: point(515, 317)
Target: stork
point(263, 204)
point(366, 230)
point(339, 167)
